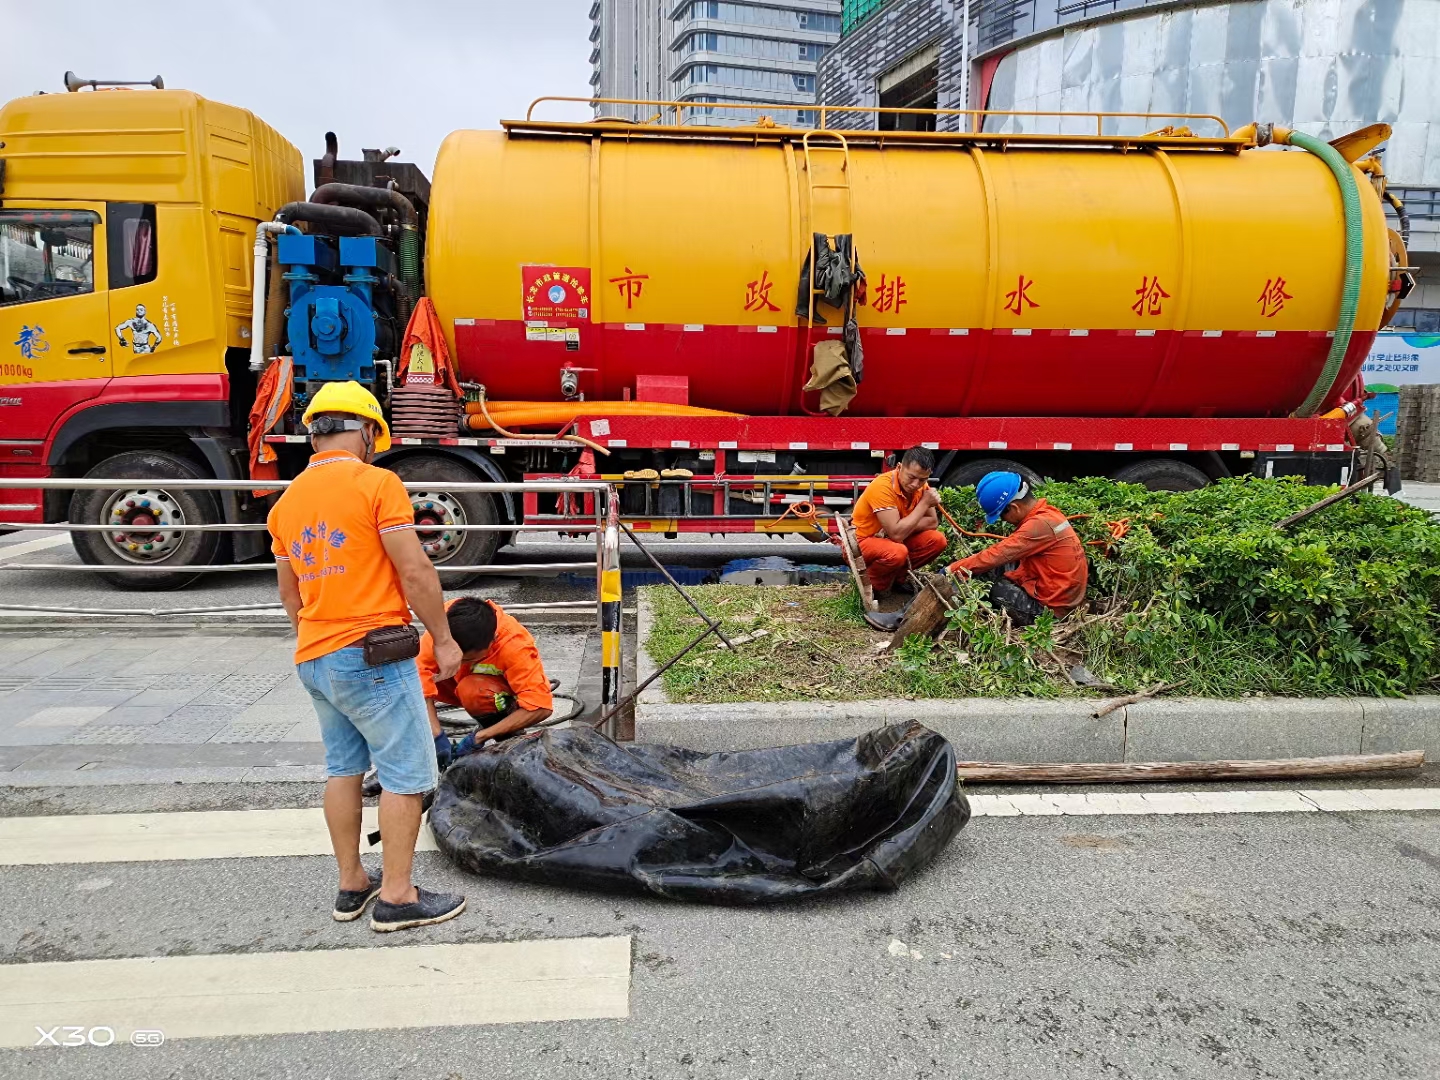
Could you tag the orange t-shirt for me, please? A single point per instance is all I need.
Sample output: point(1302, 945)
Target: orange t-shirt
point(328, 526)
point(883, 493)
point(512, 656)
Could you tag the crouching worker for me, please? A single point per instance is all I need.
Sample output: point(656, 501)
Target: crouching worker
point(897, 524)
point(1040, 566)
point(501, 682)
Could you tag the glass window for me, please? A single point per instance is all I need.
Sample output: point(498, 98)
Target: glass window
point(760, 15)
point(131, 234)
point(752, 78)
point(45, 254)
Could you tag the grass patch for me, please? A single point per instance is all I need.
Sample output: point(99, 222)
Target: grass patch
point(1200, 592)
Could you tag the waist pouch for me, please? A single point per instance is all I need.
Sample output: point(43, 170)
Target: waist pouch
point(386, 644)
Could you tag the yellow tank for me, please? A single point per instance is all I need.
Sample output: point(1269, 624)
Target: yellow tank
point(1165, 275)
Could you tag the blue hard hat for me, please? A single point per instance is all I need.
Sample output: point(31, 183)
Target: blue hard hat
point(997, 490)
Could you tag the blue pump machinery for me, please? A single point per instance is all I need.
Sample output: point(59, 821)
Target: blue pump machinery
point(336, 321)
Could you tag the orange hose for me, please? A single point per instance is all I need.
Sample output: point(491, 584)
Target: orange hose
point(494, 425)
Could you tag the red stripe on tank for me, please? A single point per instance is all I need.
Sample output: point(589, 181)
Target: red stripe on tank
point(925, 372)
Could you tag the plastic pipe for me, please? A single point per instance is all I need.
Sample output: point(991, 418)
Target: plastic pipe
point(1354, 258)
point(257, 297)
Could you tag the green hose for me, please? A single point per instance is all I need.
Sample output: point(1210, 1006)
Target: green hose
point(1354, 264)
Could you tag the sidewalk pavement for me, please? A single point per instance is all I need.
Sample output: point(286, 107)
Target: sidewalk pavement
point(122, 705)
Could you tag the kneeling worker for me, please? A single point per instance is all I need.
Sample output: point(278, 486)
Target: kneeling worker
point(1050, 570)
point(896, 521)
point(501, 682)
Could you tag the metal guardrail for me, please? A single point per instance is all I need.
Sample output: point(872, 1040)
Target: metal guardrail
point(1421, 203)
point(606, 563)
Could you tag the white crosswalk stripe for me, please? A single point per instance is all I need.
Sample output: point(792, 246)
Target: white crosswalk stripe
point(212, 834)
point(236, 834)
point(321, 990)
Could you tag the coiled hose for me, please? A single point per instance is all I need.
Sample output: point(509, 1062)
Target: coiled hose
point(1354, 262)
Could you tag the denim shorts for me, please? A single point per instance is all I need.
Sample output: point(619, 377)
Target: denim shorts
point(372, 714)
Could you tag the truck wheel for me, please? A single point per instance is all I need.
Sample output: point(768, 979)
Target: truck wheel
point(1162, 474)
point(435, 509)
point(139, 511)
point(968, 473)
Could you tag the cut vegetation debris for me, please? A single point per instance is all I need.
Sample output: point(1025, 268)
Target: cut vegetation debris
point(1196, 590)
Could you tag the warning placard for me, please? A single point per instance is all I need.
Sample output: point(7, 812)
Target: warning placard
point(555, 292)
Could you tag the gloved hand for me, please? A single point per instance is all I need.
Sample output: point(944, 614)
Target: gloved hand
point(444, 752)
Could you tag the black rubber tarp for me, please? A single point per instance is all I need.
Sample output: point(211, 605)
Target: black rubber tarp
point(574, 808)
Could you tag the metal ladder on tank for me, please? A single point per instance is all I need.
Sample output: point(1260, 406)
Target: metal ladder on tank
point(812, 150)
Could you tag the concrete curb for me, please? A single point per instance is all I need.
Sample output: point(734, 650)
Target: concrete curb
point(1035, 730)
point(1059, 730)
point(654, 694)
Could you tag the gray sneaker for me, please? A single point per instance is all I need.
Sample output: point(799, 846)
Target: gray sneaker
point(428, 909)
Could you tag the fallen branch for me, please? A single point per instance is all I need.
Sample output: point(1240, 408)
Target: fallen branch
point(1151, 771)
point(1330, 500)
point(1120, 703)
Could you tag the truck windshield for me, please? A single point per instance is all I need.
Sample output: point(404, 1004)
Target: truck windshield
point(46, 254)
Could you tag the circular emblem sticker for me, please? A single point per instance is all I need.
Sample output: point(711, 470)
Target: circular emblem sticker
point(557, 293)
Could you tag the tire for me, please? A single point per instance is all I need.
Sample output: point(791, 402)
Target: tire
point(457, 508)
point(968, 473)
point(1162, 474)
point(148, 504)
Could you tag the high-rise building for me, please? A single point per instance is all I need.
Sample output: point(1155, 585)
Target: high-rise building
point(711, 54)
point(627, 54)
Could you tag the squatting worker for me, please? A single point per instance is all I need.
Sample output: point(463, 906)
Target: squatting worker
point(349, 562)
point(896, 521)
point(501, 682)
point(1040, 565)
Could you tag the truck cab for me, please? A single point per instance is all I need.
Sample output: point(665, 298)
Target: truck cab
point(127, 219)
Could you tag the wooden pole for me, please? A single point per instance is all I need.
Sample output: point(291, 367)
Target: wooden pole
point(1330, 500)
point(1141, 772)
point(856, 562)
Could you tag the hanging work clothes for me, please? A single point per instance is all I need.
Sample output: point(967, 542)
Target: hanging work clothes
point(833, 275)
point(830, 374)
point(854, 351)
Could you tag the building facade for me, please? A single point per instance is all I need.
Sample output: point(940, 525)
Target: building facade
point(716, 55)
point(1325, 67)
point(627, 54)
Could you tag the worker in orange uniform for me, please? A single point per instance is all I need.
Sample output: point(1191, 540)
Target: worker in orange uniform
point(493, 647)
point(350, 570)
point(897, 523)
point(1040, 566)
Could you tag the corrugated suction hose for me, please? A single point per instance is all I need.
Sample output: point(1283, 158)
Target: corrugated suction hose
point(1354, 262)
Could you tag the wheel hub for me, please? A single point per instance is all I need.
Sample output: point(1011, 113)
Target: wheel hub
point(138, 519)
point(435, 512)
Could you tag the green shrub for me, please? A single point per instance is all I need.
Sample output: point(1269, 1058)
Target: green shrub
point(1203, 588)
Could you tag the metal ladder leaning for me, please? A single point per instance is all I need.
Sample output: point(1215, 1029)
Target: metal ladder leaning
point(812, 149)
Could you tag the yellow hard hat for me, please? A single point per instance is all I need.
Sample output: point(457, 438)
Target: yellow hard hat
point(350, 397)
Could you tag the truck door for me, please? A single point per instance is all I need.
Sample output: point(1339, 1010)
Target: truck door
point(55, 332)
